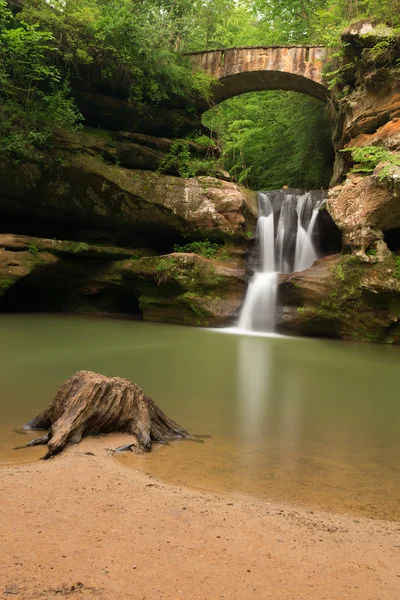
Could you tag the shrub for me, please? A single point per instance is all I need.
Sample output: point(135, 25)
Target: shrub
point(206, 248)
point(34, 250)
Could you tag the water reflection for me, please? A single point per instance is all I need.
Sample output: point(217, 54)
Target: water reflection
point(254, 372)
point(307, 422)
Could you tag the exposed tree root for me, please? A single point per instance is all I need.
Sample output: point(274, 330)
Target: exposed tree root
point(88, 404)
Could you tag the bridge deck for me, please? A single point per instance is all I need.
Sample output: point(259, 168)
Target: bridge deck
point(255, 48)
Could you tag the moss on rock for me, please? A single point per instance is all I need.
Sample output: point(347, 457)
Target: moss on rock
point(342, 297)
point(90, 191)
point(185, 288)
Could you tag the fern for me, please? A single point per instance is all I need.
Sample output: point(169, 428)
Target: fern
point(368, 158)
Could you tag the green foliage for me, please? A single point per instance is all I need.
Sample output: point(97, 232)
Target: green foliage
point(201, 139)
point(272, 139)
point(133, 46)
point(34, 96)
point(128, 49)
point(369, 157)
point(6, 282)
point(384, 51)
point(397, 270)
point(206, 248)
point(332, 17)
point(163, 268)
point(34, 250)
point(180, 158)
point(164, 264)
point(81, 247)
point(182, 161)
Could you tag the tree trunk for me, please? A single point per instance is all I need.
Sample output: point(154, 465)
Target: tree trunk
point(88, 404)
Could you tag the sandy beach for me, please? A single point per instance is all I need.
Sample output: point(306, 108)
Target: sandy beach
point(84, 526)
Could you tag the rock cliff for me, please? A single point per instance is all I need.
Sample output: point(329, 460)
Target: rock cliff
point(94, 232)
point(356, 295)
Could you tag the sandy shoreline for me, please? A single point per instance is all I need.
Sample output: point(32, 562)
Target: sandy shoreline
point(84, 526)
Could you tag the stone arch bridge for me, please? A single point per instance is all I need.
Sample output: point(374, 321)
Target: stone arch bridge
point(253, 69)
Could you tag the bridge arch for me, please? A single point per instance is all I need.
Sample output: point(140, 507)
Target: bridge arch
point(254, 69)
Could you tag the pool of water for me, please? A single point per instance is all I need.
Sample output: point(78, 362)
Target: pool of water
point(305, 422)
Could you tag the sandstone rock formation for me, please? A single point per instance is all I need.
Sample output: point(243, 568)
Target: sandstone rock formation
point(342, 297)
point(38, 274)
point(366, 207)
point(92, 193)
point(187, 288)
point(356, 296)
point(16, 266)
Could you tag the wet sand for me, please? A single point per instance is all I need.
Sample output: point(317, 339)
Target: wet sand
point(85, 526)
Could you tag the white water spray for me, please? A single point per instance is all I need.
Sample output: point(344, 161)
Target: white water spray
point(285, 229)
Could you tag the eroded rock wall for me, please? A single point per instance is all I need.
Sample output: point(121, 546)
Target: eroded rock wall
point(93, 232)
point(356, 295)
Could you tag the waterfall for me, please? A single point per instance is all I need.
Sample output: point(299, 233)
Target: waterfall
point(285, 231)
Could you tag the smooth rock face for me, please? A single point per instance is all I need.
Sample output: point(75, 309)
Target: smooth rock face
point(367, 110)
point(387, 136)
point(96, 194)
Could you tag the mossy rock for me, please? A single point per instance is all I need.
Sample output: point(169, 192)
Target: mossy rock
point(342, 297)
point(94, 193)
point(15, 266)
point(185, 288)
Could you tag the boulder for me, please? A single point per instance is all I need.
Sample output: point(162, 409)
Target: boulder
point(363, 208)
point(343, 297)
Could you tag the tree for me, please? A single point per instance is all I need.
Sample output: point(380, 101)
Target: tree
point(272, 139)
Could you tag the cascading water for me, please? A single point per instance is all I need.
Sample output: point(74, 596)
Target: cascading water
point(285, 229)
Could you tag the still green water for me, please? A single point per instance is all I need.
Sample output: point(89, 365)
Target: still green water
point(305, 422)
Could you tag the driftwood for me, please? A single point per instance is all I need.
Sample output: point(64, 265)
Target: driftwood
point(88, 404)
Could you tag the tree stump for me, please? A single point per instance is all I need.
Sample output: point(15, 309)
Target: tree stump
point(89, 404)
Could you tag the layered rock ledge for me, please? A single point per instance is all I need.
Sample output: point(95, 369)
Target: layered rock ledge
point(38, 274)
